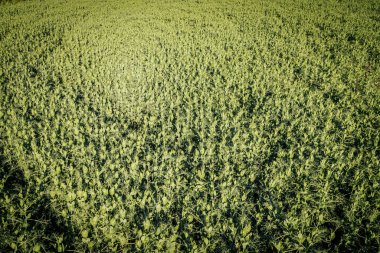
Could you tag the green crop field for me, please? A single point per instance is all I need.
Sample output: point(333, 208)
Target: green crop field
point(190, 126)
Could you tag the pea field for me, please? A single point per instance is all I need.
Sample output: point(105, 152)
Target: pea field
point(190, 126)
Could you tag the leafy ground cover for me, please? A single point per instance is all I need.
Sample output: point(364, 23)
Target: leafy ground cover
point(194, 126)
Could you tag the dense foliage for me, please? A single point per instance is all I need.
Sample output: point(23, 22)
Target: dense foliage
point(215, 126)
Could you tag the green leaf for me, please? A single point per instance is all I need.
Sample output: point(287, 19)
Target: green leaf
point(84, 233)
point(146, 224)
point(13, 246)
point(246, 230)
point(36, 248)
point(278, 246)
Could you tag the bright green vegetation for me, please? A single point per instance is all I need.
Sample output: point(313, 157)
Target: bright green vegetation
point(215, 126)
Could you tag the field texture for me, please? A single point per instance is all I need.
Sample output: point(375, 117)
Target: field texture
point(194, 126)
